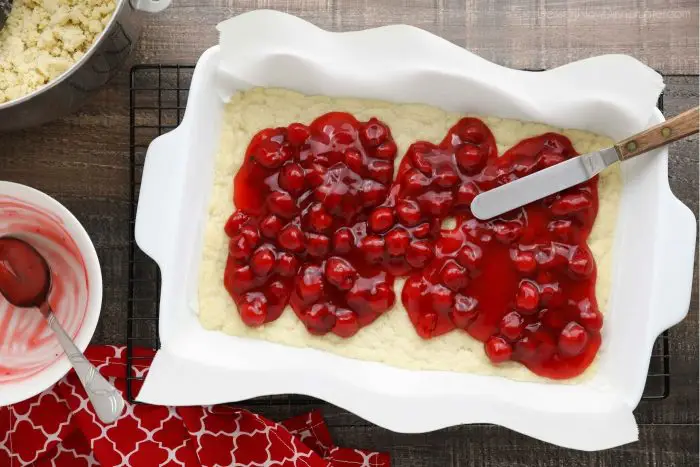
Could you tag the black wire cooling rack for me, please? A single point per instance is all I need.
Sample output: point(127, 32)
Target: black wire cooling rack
point(158, 100)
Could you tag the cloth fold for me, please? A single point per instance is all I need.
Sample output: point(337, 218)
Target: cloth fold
point(58, 428)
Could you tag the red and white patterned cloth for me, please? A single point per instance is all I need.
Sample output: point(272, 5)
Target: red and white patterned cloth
point(58, 428)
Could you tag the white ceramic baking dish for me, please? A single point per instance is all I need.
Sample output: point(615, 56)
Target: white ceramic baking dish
point(654, 240)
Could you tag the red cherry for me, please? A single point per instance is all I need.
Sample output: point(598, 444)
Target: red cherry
point(373, 193)
point(470, 256)
point(281, 204)
point(319, 318)
point(297, 134)
point(372, 247)
point(277, 293)
point(454, 276)
point(526, 348)
point(436, 204)
point(381, 219)
point(581, 263)
point(569, 204)
point(551, 294)
point(512, 326)
point(271, 154)
point(346, 323)
point(418, 155)
point(309, 285)
point(386, 150)
point(397, 242)
point(242, 279)
point(498, 349)
point(251, 234)
point(270, 226)
point(464, 311)
point(343, 240)
point(235, 222)
point(317, 245)
point(415, 182)
point(381, 171)
point(528, 297)
point(419, 254)
point(381, 298)
point(478, 231)
point(589, 316)
point(263, 261)
point(287, 264)
point(340, 273)
point(240, 248)
point(422, 231)
point(471, 130)
point(524, 261)
point(341, 134)
point(466, 194)
point(291, 238)
point(253, 311)
point(507, 232)
point(550, 257)
point(408, 212)
point(442, 298)
point(523, 167)
point(470, 158)
point(315, 175)
point(572, 340)
point(374, 133)
point(562, 229)
point(354, 160)
point(449, 242)
point(427, 322)
point(292, 178)
point(446, 177)
point(319, 219)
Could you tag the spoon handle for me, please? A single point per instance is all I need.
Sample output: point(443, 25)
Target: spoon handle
point(105, 398)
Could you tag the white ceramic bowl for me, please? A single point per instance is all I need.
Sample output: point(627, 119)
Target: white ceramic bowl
point(72, 256)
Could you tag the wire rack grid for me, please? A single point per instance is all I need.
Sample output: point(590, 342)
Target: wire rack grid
point(158, 99)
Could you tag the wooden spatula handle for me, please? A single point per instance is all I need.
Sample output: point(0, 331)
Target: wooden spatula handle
point(671, 130)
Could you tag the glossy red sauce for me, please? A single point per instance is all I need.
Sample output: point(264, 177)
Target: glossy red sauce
point(322, 224)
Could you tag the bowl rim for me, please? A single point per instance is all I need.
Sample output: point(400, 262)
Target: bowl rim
point(120, 5)
point(14, 392)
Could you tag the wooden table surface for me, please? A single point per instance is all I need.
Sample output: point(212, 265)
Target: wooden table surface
point(83, 160)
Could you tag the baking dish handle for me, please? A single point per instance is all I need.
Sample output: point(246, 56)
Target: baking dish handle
point(676, 265)
point(161, 182)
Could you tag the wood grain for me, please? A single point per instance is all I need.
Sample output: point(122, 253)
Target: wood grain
point(83, 160)
point(531, 34)
point(675, 128)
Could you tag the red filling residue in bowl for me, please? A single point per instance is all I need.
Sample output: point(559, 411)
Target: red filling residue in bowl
point(323, 224)
point(24, 275)
point(27, 345)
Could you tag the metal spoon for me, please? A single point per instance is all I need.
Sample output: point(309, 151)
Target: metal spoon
point(25, 281)
point(5, 8)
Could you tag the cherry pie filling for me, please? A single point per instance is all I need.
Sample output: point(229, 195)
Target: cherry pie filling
point(323, 225)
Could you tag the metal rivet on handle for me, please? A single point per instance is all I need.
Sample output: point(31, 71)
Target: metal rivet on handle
point(665, 132)
point(631, 146)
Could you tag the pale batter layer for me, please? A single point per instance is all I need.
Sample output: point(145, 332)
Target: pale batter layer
point(391, 338)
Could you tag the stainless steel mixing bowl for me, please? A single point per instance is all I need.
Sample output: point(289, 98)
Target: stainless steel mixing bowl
point(66, 93)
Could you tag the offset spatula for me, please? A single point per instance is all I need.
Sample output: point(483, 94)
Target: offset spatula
point(577, 170)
